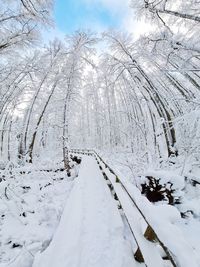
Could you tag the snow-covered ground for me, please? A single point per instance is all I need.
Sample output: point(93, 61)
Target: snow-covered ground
point(166, 217)
point(48, 219)
point(31, 204)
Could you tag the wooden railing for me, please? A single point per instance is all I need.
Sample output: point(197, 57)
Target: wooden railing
point(150, 233)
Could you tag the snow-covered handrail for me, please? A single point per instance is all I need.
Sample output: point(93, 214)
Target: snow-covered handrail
point(150, 233)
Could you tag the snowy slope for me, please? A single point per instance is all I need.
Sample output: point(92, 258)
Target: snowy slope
point(90, 233)
point(29, 212)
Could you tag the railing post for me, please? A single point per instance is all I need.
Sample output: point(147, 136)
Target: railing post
point(150, 234)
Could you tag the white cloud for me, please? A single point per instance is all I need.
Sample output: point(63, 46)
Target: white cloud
point(123, 12)
point(113, 6)
point(119, 9)
point(136, 27)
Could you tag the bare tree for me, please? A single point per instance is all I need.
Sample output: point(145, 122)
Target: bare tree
point(19, 21)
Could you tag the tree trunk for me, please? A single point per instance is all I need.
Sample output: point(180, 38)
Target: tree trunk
point(31, 146)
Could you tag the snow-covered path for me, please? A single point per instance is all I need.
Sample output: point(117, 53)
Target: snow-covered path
point(91, 232)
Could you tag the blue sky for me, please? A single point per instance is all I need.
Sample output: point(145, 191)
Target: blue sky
point(95, 15)
point(71, 15)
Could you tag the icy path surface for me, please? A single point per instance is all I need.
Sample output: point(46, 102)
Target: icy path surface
point(91, 232)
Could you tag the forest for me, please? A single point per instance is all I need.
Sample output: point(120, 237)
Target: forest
point(131, 103)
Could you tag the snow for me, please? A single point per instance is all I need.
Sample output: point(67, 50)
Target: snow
point(178, 181)
point(23, 259)
point(136, 101)
point(165, 220)
point(77, 223)
point(91, 231)
point(30, 213)
point(136, 221)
